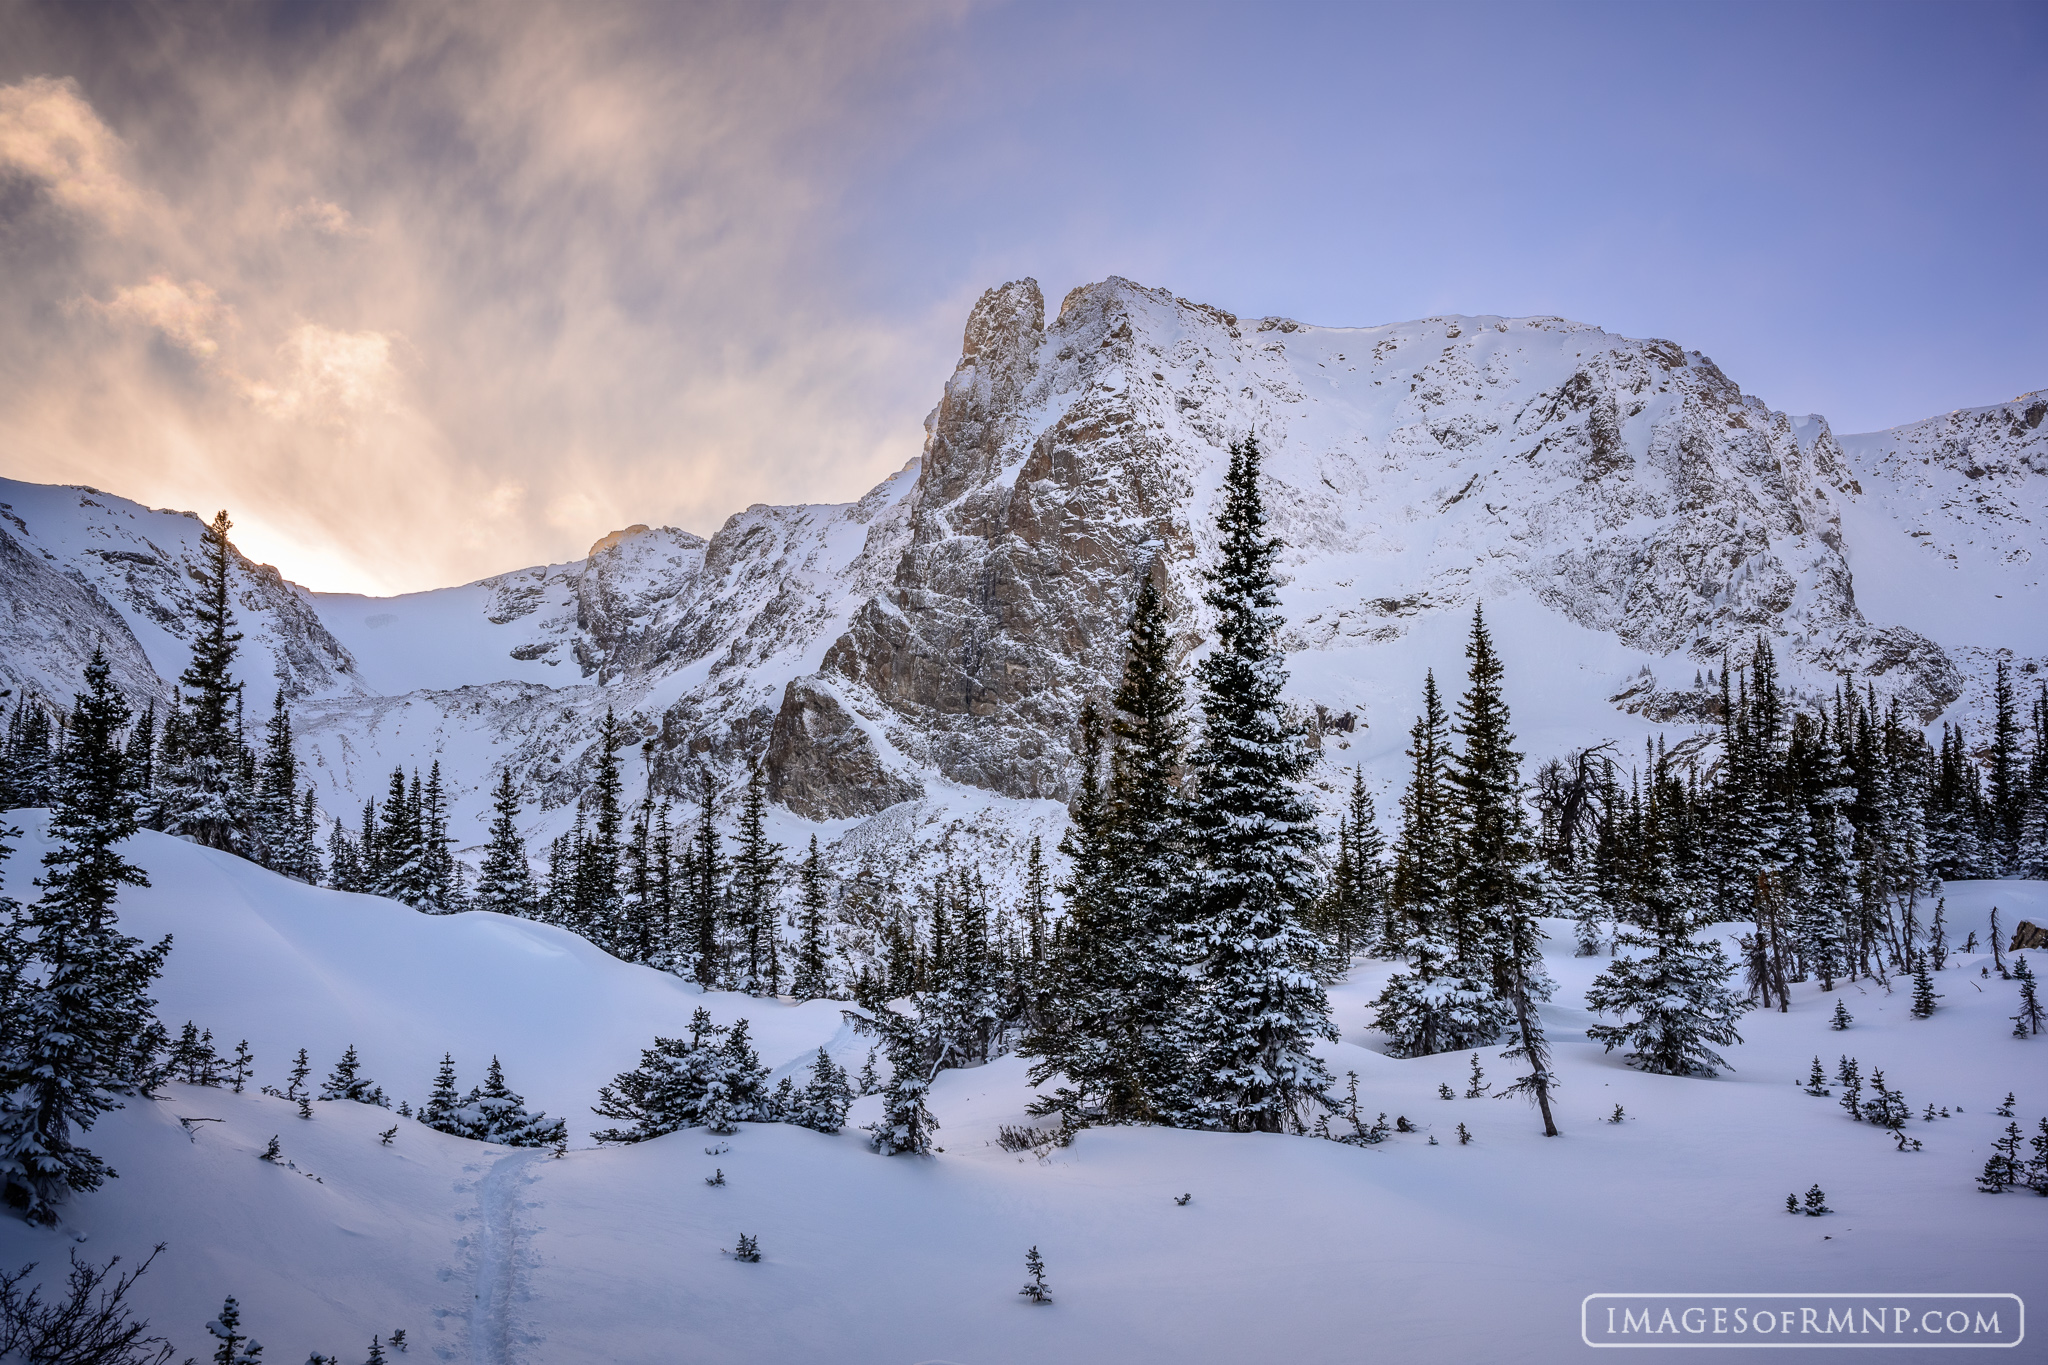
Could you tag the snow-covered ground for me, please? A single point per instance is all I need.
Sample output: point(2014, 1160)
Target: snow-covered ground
point(1289, 1249)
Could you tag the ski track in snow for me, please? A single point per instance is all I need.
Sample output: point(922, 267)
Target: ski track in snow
point(495, 1243)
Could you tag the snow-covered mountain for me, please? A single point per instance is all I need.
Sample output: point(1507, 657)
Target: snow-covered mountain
point(1625, 512)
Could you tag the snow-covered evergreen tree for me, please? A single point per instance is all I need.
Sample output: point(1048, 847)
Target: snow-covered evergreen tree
point(493, 1112)
point(346, 1082)
point(505, 884)
point(756, 873)
point(78, 1033)
point(1442, 1002)
point(202, 794)
point(709, 1079)
point(704, 888)
point(825, 1098)
point(1671, 1002)
point(444, 1099)
point(1251, 834)
point(915, 1052)
point(813, 981)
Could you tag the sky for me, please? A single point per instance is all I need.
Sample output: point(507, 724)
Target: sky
point(422, 293)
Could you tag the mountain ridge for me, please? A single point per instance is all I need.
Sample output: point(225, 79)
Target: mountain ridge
point(936, 637)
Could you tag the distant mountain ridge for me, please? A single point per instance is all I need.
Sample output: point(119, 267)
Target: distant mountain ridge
point(1628, 516)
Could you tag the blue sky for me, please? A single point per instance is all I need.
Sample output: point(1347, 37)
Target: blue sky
point(423, 293)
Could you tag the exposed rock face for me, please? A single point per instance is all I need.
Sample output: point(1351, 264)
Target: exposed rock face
point(823, 764)
point(1629, 486)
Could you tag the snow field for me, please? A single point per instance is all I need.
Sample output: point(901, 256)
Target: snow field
point(1290, 1249)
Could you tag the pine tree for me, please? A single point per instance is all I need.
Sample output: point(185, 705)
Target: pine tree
point(1035, 1288)
point(2028, 1021)
point(812, 981)
point(824, 1100)
point(78, 1031)
point(506, 883)
point(915, 1053)
point(1251, 834)
point(705, 888)
point(599, 855)
point(1118, 1033)
point(1817, 1081)
point(756, 869)
point(346, 1082)
point(709, 1079)
point(235, 1348)
point(205, 799)
point(1851, 1080)
point(1841, 1018)
point(734, 1092)
point(1443, 1002)
point(243, 1067)
point(2002, 1170)
point(1494, 890)
point(493, 1112)
point(2007, 777)
point(1924, 994)
point(275, 808)
point(440, 875)
point(444, 1099)
point(404, 870)
point(1672, 1003)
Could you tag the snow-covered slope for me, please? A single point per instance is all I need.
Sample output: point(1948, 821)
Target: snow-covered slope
point(1628, 516)
point(1289, 1248)
point(1945, 529)
point(128, 583)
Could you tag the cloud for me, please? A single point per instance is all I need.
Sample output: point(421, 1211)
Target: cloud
point(331, 378)
point(190, 315)
point(471, 285)
point(52, 136)
point(319, 215)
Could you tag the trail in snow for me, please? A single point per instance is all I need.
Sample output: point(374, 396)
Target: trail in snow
point(497, 1260)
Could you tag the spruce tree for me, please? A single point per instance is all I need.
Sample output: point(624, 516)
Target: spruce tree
point(2007, 776)
point(812, 979)
point(493, 1112)
point(2029, 1020)
point(275, 808)
point(1494, 889)
point(440, 875)
point(705, 888)
point(600, 853)
point(824, 1100)
point(1442, 1002)
point(402, 864)
point(1251, 834)
point(915, 1051)
point(346, 1082)
point(1924, 994)
point(505, 885)
point(711, 1079)
point(1672, 1002)
point(1062, 1035)
point(206, 800)
point(1122, 1037)
point(76, 1036)
point(444, 1099)
point(756, 870)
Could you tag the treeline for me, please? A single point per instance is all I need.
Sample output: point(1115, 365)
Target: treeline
point(192, 771)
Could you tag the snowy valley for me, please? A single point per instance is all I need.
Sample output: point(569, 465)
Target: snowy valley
point(1739, 772)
